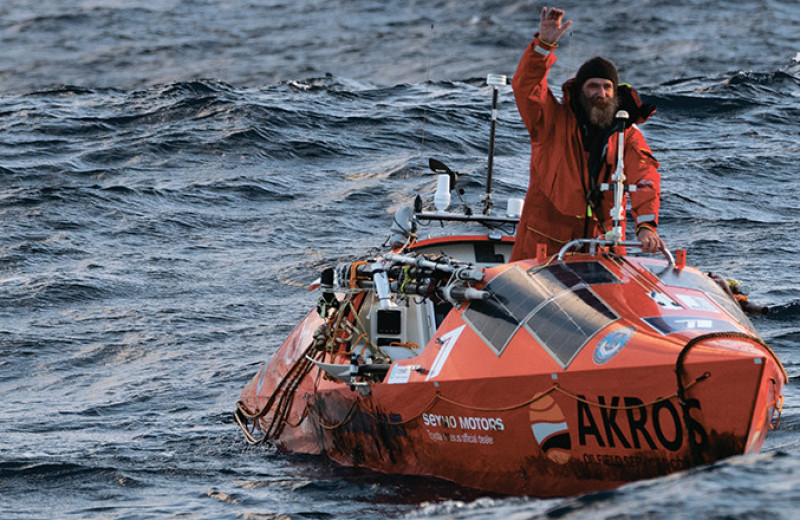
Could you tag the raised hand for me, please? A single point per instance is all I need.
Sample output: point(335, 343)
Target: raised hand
point(550, 27)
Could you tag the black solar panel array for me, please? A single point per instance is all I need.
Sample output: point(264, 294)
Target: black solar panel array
point(555, 304)
point(566, 322)
point(498, 318)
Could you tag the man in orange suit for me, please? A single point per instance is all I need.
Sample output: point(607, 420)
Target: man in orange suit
point(574, 145)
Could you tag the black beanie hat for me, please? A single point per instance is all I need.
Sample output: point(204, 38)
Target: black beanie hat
point(597, 67)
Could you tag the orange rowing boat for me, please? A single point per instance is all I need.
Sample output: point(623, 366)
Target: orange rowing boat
point(546, 377)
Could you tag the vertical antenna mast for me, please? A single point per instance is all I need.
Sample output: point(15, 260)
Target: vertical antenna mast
point(496, 81)
point(618, 211)
point(427, 91)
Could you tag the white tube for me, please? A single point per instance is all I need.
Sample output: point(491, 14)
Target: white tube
point(441, 198)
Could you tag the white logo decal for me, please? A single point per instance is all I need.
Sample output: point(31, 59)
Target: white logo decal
point(697, 323)
point(448, 340)
point(698, 303)
point(399, 375)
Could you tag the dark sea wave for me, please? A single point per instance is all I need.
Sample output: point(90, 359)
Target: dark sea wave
point(174, 175)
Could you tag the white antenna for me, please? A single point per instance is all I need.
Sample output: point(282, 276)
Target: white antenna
point(618, 211)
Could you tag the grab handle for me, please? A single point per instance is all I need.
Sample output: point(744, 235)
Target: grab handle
point(595, 243)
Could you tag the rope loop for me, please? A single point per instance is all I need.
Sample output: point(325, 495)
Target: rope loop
point(284, 392)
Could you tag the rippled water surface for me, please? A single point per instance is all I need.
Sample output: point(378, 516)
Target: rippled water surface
point(171, 172)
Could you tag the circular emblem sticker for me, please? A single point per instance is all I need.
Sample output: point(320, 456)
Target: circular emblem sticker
point(612, 344)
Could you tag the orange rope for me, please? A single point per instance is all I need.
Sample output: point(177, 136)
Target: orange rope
point(548, 237)
point(439, 397)
point(337, 425)
point(504, 408)
point(354, 272)
point(557, 387)
point(424, 409)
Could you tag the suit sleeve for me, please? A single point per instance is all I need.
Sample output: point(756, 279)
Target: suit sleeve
point(534, 98)
point(641, 169)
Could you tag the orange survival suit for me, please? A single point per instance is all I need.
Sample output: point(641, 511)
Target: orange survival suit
point(563, 200)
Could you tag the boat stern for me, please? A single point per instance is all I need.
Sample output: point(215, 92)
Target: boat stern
point(734, 382)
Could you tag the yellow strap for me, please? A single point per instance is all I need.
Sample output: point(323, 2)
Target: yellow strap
point(546, 235)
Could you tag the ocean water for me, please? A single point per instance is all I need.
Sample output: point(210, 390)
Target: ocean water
point(172, 175)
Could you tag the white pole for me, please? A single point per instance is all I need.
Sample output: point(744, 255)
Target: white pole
point(618, 211)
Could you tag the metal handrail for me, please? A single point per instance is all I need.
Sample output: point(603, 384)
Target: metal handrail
point(458, 217)
point(595, 243)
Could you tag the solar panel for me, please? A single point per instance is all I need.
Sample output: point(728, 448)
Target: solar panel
point(567, 322)
point(559, 277)
point(497, 319)
point(562, 320)
point(593, 273)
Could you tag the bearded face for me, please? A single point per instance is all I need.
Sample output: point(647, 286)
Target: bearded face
point(599, 101)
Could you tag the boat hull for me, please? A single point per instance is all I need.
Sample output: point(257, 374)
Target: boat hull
point(537, 435)
point(635, 399)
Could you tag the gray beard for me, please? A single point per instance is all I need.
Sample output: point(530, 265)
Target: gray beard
point(600, 112)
